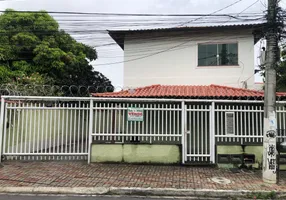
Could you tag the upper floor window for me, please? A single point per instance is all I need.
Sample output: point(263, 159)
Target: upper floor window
point(218, 54)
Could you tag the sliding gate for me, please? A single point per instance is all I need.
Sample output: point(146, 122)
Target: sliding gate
point(44, 128)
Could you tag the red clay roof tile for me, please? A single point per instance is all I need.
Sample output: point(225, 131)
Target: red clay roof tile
point(185, 91)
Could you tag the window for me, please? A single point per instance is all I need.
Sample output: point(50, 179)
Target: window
point(217, 54)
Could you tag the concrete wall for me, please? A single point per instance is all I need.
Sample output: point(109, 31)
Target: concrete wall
point(237, 149)
point(132, 153)
point(180, 65)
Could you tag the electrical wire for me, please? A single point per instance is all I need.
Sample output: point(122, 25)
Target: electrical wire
point(124, 14)
point(173, 48)
point(168, 49)
point(213, 13)
point(143, 51)
point(250, 6)
point(148, 38)
point(103, 31)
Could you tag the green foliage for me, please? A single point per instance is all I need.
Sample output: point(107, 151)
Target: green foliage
point(266, 195)
point(281, 71)
point(34, 51)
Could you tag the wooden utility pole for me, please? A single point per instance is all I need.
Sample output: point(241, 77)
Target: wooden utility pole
point(270, 121)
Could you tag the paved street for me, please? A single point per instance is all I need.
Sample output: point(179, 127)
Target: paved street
point(12, 197)
point(80, 174)
point(28, 197)
point(25, 197)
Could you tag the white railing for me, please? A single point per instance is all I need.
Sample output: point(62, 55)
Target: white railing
point(161, 122)
point(58, 128)
point(45, 128)
point(248, 122)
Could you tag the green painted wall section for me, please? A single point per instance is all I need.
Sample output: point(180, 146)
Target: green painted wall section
point(227, 149)
point(151, 153)
point(257, 151)
point(129, 153)
point(106, 153)
point(237, 149)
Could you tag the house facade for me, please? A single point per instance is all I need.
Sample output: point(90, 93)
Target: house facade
point(204, 124)
point(222, 55)
point(196, 92)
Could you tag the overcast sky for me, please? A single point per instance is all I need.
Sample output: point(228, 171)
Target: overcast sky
point(113, 53)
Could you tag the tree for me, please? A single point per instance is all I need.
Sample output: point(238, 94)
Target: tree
point(281, 71)
point(34, 51)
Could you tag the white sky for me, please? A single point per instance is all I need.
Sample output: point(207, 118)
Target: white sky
point(115, 72)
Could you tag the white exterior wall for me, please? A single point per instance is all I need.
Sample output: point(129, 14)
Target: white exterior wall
point(177, 62)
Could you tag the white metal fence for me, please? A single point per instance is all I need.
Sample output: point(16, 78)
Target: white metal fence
point(162, 122)
point(50, 128)
point(58, 128)
point(248, 121)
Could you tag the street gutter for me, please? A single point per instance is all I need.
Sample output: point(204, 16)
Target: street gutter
point(124, 191)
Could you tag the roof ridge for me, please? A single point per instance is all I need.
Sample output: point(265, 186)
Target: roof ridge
point(150, 86)
point(184, 85)
point(234, 88)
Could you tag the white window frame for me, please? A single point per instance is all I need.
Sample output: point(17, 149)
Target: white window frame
point(217, 56)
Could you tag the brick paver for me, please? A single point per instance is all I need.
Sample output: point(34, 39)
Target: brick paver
point(80, 174)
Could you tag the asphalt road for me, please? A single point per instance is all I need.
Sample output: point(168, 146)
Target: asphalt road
point(29, 197)
point(41, 197)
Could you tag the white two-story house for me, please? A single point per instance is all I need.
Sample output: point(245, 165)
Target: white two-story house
point(201, 71)
point(222, 55)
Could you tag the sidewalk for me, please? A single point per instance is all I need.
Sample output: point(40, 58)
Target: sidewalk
point(80, 174)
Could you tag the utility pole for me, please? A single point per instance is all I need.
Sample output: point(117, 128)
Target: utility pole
point(270, 121)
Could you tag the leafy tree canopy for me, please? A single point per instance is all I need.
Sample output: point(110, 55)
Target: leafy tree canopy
point(281, 71)
point(34, 51)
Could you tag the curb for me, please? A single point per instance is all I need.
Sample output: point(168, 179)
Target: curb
point(137, 191)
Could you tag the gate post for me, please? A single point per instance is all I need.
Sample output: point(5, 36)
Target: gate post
point(90, 130)
point(183, 132)
point(1, 126)
point(212, 132)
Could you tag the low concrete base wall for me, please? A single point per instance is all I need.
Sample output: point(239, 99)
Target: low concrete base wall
point(136, 153)
point(236, 149)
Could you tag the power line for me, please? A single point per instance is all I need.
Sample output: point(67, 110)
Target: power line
point(250, 6)
point(120, 25)
point(212, 14)
point(173, 48)
point(126, 14)
point(103, 31)
point(170, 39)
point(93, 31)
point(175, 45)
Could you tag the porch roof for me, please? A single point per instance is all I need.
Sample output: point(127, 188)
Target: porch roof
point(188, 92)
